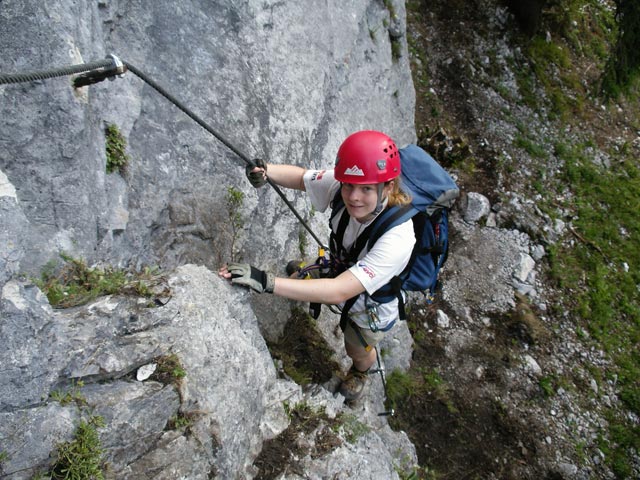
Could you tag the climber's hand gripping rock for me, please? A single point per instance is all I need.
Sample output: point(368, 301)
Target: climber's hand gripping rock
point(248, 276)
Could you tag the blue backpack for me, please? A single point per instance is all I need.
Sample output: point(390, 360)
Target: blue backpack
point(433, 192)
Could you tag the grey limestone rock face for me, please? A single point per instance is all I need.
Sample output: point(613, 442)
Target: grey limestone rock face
point(230, 390)
point(482, 271)
point(96, 349)
point(15, 227)
point(283, 81)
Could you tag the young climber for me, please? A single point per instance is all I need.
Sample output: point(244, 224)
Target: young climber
point(366, 173)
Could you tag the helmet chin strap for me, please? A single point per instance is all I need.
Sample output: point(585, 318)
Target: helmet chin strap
point(380, 205)
point(381, 201)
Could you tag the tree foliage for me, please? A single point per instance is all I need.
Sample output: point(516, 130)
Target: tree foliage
point(623, 65)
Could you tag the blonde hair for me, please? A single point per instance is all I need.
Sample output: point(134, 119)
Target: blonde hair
point(397, 196)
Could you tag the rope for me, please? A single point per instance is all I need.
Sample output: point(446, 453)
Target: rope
point(110, 62)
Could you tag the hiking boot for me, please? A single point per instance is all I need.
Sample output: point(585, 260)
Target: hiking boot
point(353, 385)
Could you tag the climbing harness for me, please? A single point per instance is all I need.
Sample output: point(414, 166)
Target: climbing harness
point(112, 66)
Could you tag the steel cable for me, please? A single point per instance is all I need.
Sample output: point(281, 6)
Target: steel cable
point(9, 78)
point(222, 139)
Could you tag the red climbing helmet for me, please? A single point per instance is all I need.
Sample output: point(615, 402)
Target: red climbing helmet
point(366, 157)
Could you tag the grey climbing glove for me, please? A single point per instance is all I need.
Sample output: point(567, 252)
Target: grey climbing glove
point(248, 276)
point(259, 178)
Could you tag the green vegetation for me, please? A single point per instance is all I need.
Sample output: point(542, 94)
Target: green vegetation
point(234, 201)
point(351, 427)
point(303, 243)
point(546, 384)
point(558, 73)
point(417, 473)
point(581, 31)
point(552, 67)
point(597, 269)
point(169, 370)
point(396, 49)
point(421, 382)
point(75, 283)
point(524, 142)
point(117, 158)
point(400, 385)
point(179, 421)
point(183, 420)
point(285, 451)
point(69, 396)
point(306, 357)
point(80, 458)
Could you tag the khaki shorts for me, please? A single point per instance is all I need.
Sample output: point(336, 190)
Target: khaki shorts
point(363, 335)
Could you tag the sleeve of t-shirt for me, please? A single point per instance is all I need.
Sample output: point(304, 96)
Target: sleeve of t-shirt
point(321, 186)
point(387, 258)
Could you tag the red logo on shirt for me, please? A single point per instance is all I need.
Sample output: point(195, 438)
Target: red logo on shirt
point(370, 273)
point(318, 175)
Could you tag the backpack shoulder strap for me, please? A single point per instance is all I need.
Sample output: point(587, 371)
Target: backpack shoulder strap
point(388, 219)
point(396, 216)
point(337, 236)
point(336, 204)
point(364, 239)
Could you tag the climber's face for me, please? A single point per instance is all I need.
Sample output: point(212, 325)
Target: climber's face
point(361, 200)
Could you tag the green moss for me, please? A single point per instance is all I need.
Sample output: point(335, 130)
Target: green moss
point(533, 149)
point(116, 145)
point(235, 201)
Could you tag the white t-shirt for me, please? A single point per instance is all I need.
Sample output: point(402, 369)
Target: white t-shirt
point(374, 268)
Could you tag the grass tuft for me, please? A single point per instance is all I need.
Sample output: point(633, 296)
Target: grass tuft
point(80, 458)
point(76, 284)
